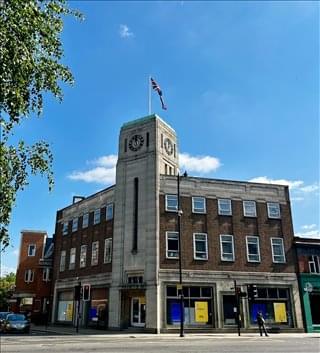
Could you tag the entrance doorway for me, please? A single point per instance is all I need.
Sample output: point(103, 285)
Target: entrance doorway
point(138, 311)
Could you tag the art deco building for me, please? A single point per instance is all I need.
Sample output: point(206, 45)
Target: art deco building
point(123, 241)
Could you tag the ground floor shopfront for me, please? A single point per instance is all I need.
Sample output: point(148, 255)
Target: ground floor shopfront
point(310, 298)
point(209, 303)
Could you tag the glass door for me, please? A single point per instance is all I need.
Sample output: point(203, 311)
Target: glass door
point(138, 311)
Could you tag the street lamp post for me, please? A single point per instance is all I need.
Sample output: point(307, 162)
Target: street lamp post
point(180, 256)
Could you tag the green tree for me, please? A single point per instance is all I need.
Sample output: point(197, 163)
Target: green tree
point(30, 66)
point(7, 284)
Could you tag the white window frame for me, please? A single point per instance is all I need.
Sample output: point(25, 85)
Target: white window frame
point(108, 207)
point(222, 212)
point(221, 247)
point(75, 224)
point(170, 209)
point(246, 204)
point(72, 259)
point(283, 251)
point(95, 216)
point(195, 249)
point(272, 205)
point(176, 235)
point(65, 228)
point(33, 253)
point(315, 261)
point(95, 253)
point(62, 265)
point(85, 223)
point(28, 276)
point(257, 239)
point(107, 256)
point(46, 274)
point(202, 210)
point(83, 256)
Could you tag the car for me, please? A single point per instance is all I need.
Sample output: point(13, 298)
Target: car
point(16, 323)
point(3, 315)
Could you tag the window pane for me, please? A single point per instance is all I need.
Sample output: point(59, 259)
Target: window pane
point(85, 220)
point(273, 210)
point(249, 208)
point(171, 203)
point(206, 292)
point(198, 204)
point(109, 212)
point(171, 291)
point(224, 207)
point(195, 292)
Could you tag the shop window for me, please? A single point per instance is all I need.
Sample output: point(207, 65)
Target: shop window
point(65, 307)
point(273, 210)
point(272, 293)
point(171, 203)
point(224, 207)
point(249, 209)
point(109, 211)
point(200, 246)
point(227, 247)
point(206, 292)
point(85, 220)
point(32, 250)
point(198, 204)
point(171, 291)
point(72, 260)
point(192, 304)
point(83, 256)
point(277, 250)
point(253, 249)
point(172, 240)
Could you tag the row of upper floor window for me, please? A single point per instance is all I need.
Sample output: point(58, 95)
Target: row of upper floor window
point(107, 258)
point(85, 219)
point(29, 275)
point(227, 249)
point(224, 206)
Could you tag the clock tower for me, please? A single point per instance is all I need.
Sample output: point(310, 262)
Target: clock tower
point(147, 149)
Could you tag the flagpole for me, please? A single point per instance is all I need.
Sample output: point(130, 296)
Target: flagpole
point(149, 85)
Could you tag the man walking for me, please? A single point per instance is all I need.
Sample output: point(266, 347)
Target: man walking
point(261, 324)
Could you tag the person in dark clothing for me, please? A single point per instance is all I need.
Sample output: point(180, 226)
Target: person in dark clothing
point(261, 324)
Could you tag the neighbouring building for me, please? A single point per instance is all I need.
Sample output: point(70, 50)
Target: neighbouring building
point(33, 279)
point(308, 254)
point(124, 242)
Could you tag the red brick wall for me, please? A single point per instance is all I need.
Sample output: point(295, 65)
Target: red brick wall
point(87, 236)
point(238, 225)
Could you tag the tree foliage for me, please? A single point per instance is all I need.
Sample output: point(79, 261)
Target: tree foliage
point(7, 284)
point(30, 66)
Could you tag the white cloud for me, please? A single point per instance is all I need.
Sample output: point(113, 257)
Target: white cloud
point(5, 270)
point(125, 32)
point(309, 226)
point(104, 172)
point(198, 164)
point(297, 186)
point(310, 234)
point(292, 184)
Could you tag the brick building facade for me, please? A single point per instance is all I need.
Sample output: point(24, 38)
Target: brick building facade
point(123, 241)
point(34, 273)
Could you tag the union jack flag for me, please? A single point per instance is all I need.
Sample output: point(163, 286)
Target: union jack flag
point(157, 88)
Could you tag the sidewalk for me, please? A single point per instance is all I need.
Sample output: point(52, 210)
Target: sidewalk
point(66, 330)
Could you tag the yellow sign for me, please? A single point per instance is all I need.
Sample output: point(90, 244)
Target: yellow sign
point(69, 312)
point(179, 286)
point(201, 311)
point(280, 314)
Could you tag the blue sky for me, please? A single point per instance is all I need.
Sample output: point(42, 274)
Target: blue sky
point(240, 79)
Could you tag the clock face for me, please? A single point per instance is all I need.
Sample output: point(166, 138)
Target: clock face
point(136, 142)
point(168, 146)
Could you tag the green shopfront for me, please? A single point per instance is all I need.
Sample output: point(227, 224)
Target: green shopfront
point(310, 295)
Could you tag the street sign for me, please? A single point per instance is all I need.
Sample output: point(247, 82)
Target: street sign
point(179, 286)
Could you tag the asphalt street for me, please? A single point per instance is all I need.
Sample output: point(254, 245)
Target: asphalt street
point(160, 343)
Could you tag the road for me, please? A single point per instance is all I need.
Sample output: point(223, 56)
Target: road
point(35, 343)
